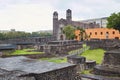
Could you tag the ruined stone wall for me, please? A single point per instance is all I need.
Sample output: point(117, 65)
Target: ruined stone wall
point(104, 44)
point(13, 75)
point(64, 49)
point(111, 59)
point(68, 73)
point(34, 40)
point(33, 56)
point(79, 61)
point(110, 65)
point(60, 47)
point(20, 47)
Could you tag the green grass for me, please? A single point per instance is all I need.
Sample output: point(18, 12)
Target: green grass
point(86, 72)
point(96, 54)
point(84, 48)
point(24, 52)
point(84, 45)
point(73, 51)
point(55, 60)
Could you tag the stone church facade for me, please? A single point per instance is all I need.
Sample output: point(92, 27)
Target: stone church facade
point(59, 24)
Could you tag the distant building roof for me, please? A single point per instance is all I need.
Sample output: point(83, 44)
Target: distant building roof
point(94, 19)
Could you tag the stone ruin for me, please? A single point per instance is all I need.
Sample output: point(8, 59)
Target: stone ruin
point(22, 68)
point(60, 47)
point(90, 64)
point(106, 44)
point(110, 65)
point(81, 62)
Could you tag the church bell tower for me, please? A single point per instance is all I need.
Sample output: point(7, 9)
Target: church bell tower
point(69, 15)
point(55, 24)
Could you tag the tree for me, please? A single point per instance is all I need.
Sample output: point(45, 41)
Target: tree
point(1, 36)
point(114, 21)
point(69, 32)
point(83, 34)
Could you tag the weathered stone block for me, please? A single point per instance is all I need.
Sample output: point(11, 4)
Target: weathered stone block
point(110, 65)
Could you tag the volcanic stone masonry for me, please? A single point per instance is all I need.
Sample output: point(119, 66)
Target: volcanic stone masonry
point(22, 68)
point(110, 65)
point(107, 44)
point(60, 47)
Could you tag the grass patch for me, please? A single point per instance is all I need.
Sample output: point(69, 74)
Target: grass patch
point(84, 48)
point(96, 54)
point(55, 60)
point(74, 51)
point(86, 72)
point(24, 52)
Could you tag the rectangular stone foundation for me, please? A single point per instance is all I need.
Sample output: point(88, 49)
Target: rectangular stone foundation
point(22, 68)
point(68, 73)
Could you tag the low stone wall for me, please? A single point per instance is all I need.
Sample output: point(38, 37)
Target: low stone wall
point(106, 71)
point(22, 68)
point(110, 65)
point(79, 61)
point(33, 56)
point(20, 47)
point(60, 47)
point(112, 58)
point(68, 73)
point(90, 64)
point(107, 44)
point(34, 40)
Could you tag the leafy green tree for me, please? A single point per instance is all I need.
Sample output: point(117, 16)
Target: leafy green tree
point(69, 31)
point(41, 34)
point(83, 34)
point(21, 34)
point(1, 36)
point(114, 21)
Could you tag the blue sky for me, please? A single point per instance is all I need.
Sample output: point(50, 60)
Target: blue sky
point(35, 15)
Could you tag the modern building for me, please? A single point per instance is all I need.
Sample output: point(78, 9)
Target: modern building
point(59, 24)
point(101, 21)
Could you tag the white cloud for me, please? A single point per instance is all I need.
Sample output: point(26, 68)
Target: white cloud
point(35, 15)
point(93, 8)
point(30, 17)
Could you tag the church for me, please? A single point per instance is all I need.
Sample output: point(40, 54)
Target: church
point(59, 24)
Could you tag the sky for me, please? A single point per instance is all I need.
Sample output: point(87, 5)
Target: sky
point(36, 15)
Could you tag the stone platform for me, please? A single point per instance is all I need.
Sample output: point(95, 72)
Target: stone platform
point(106, 71)
point(110, 65)
point(22, 68)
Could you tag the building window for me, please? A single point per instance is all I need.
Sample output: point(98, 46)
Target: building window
point(90, 33)
point(95, 33)
point(101, 33)
point(107, 35)
point(107, 32)
point(113, 32)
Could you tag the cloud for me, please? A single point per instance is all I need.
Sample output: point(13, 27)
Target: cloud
point(35, 15)
point(85, 9)
point(30, 17)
